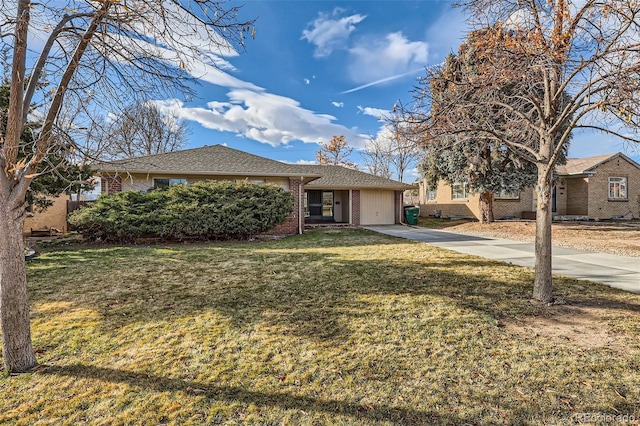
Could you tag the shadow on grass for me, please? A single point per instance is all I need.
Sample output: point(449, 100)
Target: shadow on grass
point(231, 394)
point(309, 284)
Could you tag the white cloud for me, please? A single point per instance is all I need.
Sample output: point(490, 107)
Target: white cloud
point(303, 162)
point(252, 112)
point(307, 81)
point(330, 31)
point(377, 60)
point(378, 113)
point(337, 104)
point(268, 118)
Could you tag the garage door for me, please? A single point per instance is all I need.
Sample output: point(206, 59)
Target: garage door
point(376, 207)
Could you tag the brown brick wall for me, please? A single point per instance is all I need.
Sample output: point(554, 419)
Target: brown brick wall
point(561, 197)
point(355, 208)
point(53, 217)
point(291, 223)
point(600, 206)
point(111, 184)
point(470, 206)
point(506, 208)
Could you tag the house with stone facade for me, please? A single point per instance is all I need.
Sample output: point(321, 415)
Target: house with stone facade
point(597, 188)
point(322, 194)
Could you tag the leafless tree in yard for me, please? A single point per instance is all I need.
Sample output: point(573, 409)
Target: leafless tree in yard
point(393, 152)
point(336, 152)
point(144, 129)
point(576, 65)
point(376, 157)
point(405, 151)
point(109, 52)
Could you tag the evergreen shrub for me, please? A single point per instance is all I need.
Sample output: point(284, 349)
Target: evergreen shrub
point(204, 210)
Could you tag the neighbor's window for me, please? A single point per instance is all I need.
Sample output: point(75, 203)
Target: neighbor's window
point(432, 194)
point(165, 183)
point(618, 188)
point(459, 191)
point(506, 195)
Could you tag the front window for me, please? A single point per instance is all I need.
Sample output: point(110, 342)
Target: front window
point(165, 183)
point(459, 191)
point(431, 194)
point(617, 188)
point(506, 195)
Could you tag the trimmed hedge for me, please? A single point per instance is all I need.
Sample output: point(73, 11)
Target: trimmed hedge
point(204, 210)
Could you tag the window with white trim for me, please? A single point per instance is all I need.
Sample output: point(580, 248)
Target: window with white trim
point(432, 194)
point(459, 191)
point(617, 188)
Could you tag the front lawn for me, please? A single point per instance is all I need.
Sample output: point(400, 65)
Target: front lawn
point(333, 327)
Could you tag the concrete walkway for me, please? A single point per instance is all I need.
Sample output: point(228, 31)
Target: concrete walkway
point(616, 271)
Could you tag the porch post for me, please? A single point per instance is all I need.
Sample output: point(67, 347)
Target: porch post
point(350, 207)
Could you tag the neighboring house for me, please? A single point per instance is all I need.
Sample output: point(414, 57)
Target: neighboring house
point(54, 217)
point(600, 187)
point(322, 194)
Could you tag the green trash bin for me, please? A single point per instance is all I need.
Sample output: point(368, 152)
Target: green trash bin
point(411, 213)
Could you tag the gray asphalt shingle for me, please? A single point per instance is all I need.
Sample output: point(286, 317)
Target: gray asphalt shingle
point(219, 160)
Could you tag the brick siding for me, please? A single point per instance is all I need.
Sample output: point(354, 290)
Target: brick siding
point(355, 207)
point(600, 206)
point(291, 223)
point(111, 184)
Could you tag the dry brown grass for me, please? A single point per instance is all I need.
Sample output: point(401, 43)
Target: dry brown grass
point(333, 327)
point(620, 238)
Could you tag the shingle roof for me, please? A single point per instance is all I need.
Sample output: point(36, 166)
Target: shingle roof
point(342, 178)
point(219, 160)
point(577, 166)
point(210, 160)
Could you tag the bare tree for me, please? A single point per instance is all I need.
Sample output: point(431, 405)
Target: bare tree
point(404, 150)
point(145, 129)
point(109, 52)
point(578, 66)
point(336, 152)
point(392, 152)
point(376, 157)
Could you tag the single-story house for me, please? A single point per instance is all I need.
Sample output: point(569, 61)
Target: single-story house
point(322, 194)
point(600, 187)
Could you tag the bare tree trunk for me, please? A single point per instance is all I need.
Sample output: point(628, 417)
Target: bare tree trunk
point(543, 284)
point(17, 350)
point(486, 207)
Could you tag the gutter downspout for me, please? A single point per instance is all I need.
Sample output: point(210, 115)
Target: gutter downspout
point(300, 207)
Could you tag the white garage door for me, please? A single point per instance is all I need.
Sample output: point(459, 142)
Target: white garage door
point(376, 207)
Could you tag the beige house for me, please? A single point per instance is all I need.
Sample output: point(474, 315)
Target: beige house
point(54, 218)
point(600, 187)
point(322, 194)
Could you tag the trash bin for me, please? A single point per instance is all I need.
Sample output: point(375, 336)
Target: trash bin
point(411, 213)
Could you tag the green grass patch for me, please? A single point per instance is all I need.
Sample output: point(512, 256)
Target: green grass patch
point(333, 327)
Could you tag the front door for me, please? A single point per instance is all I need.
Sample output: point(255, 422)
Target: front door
point(314, 204)
point(327, 205)
point(319, 205)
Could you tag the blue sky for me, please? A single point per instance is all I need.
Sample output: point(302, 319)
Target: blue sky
point(321, 68)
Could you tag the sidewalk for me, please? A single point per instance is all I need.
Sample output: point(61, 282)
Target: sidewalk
point(615, 271)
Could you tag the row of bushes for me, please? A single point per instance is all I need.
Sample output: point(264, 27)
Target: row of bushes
point(205, 210)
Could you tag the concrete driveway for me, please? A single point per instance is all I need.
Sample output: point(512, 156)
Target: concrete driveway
point(615, 271)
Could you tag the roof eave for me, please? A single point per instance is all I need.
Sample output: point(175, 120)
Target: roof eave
point(208, 173)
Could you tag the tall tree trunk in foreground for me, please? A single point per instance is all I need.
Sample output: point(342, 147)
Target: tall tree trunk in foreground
point(486, 207)
point(543, 284)
point(17, 351)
